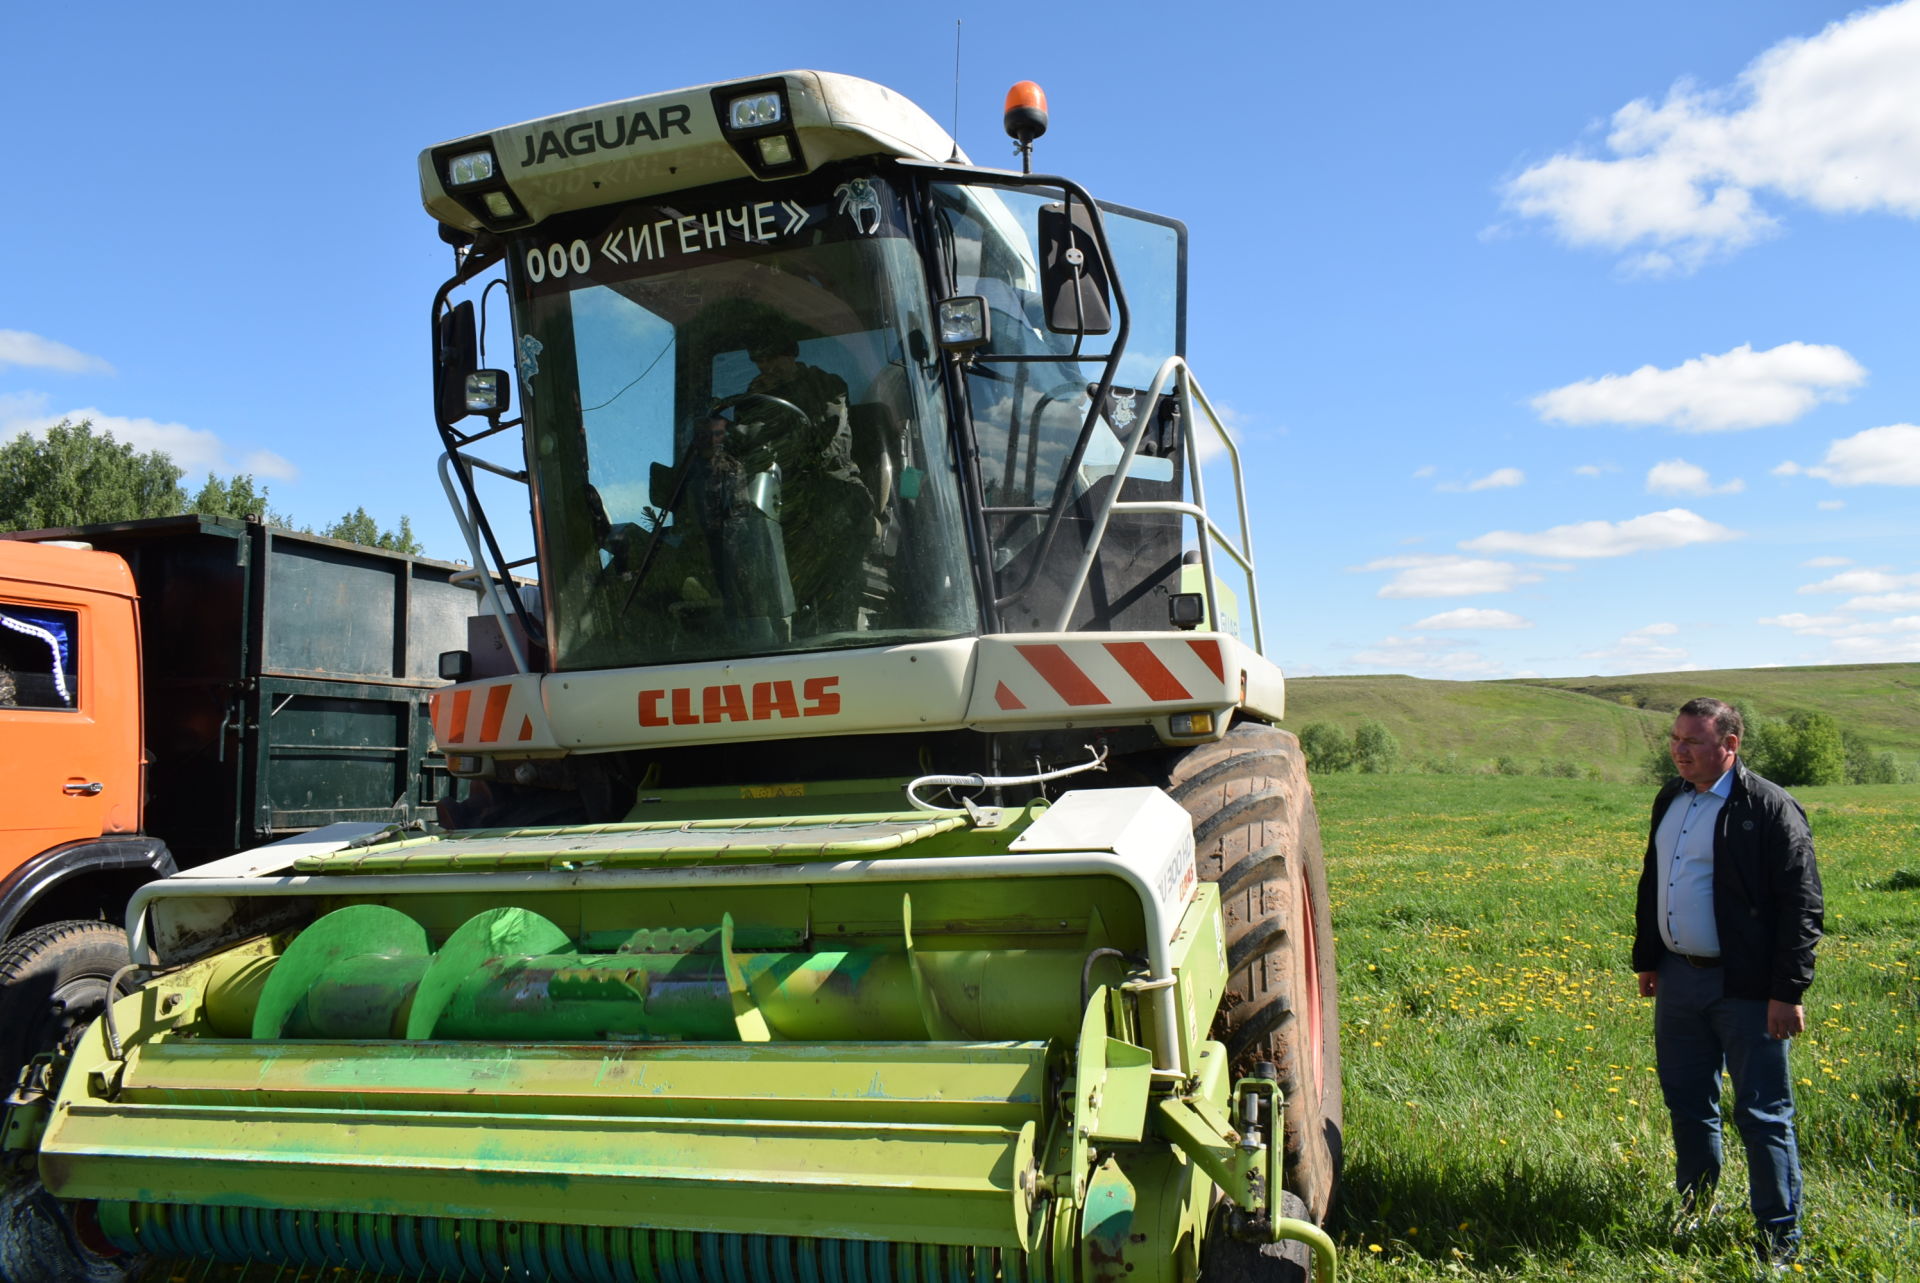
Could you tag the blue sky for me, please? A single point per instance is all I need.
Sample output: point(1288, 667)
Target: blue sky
point(1559, 339)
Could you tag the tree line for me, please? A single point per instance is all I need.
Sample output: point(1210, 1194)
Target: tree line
point(1804, 748)
point(1371, 749)
point(74, 476)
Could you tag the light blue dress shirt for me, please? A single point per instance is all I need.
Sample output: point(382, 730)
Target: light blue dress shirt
point(1684, 845)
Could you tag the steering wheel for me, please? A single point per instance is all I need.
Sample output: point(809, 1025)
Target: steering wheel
point(801, 418)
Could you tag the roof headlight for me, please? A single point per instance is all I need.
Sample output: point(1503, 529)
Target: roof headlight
point(754, 111)
point(471, 167)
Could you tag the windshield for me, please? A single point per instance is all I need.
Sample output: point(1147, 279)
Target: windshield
point(738, 444)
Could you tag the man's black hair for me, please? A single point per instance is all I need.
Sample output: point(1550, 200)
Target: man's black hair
point(1725, 717)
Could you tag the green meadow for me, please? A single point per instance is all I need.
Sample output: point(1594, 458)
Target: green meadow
point(1503, 1120)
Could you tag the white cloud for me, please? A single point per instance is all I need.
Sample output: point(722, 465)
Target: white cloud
point(1858, 641)
point(1640, 651)
point(1826, 563)
point(1831, 120)
point(1878, 650)
point(1424, 471)
point(1674, 528)
point(17, 347)
point(1594, 469)
point(1886, 601)
point(1449, 576)
point(1677, 476)
point(1711, 393)
point(195, 450)
point(1467, 617)
point(1841, 626)
point(1831, 505)
point(1425, 657)
point(1498, 479)
point(1888, 456)
point(1863, 581)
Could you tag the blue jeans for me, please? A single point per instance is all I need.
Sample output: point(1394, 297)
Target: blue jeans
point(1696, 1030)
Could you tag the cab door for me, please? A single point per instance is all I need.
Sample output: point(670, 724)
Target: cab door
point(69, 700)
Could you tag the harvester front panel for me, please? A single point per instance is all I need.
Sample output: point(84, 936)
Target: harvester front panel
point(903, 1029)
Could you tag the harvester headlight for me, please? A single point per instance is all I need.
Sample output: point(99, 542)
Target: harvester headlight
point(963, 322)
point(755, 111)
point(486, 391)
point(470, 168)
point(472, 175)
point(774, 149)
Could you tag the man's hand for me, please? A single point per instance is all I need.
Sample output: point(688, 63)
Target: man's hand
point(1649, 980)
point(1785, 1019)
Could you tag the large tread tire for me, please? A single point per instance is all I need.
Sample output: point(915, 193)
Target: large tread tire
point(1257, 837)
point(53, 984)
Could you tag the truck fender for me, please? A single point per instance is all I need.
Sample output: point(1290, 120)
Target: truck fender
point(81, 879)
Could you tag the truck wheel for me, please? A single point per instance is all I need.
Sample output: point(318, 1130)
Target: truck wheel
point(1226, 1259)
point(1257, 837)
point(53, 984)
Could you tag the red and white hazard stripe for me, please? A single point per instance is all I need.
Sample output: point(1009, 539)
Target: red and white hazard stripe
point(493, 714)
point(1097, 675)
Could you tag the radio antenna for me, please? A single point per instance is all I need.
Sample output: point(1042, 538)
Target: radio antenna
point(956, 89)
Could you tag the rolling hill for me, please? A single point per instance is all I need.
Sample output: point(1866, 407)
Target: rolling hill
point(1606, 726)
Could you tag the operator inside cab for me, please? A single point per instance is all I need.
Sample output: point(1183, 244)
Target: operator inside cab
point(787, 456)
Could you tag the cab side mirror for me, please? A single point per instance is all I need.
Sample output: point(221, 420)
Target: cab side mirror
point(1073, 276)
point(456, 354)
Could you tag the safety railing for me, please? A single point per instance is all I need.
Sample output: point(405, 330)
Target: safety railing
point(1188, 397)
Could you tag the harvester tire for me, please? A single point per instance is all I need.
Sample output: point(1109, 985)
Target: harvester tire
point(53, 984)
point(1226, 1259)
point(1257, 837)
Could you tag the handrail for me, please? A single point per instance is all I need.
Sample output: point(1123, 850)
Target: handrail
point(489, 585)
point(1187, 394)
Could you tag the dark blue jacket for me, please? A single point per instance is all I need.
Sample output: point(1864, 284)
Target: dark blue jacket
point(1767, 904)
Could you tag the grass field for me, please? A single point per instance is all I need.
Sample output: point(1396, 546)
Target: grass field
point(1502, 1116)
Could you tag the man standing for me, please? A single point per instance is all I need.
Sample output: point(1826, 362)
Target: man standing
point(1728, 914)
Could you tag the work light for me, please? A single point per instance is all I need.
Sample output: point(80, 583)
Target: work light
point(754, 111)
point(470, 168)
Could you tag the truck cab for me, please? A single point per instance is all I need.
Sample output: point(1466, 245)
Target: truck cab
point(70, 729)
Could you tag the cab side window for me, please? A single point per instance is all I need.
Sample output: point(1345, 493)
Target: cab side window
point(39, 657)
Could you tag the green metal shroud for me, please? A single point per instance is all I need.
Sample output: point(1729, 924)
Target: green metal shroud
point(854, 1082)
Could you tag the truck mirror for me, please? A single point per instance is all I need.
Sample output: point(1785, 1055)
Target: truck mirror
point(1073, 276)
point(456, 353)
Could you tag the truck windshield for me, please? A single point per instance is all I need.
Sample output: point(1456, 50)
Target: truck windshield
point(738, 443)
